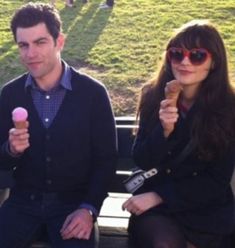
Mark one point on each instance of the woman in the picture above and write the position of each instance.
(189, 204)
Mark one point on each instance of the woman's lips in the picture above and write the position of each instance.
(184, 72)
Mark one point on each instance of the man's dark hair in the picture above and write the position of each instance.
(32, 14)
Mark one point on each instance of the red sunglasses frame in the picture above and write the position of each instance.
(188, 53)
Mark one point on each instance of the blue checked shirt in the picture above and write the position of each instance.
(48, 103)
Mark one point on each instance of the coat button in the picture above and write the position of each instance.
(48, 159)
(49, 182)
(168, 171)
(194, 173)
(32, 197)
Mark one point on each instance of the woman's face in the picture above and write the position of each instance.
(188, 72)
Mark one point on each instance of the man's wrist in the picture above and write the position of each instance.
(9, 152)
(91, 210)
(91, 213)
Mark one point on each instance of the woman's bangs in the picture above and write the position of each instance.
(187, 40)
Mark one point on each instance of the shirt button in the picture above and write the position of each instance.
(194, 173)
(48, 97)
(168, 171)
(49, 182)
(46, 119)
(169, 152)
(48, 137)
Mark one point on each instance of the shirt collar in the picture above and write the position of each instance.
(64, 81)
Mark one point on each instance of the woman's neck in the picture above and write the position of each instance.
(186, 102)
(188, 96)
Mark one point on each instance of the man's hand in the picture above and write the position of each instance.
(138, 204)
(18, 140)
(77, 225)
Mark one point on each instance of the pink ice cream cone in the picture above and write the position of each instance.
(19, 117)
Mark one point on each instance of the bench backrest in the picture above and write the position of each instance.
(125, 127)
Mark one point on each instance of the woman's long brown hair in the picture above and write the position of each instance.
(213, 127)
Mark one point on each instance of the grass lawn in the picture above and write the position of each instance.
(121, 46)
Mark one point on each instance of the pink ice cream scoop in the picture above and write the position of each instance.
(19, 117)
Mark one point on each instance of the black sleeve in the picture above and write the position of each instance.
(104, 149)
(150, 149)
(7, 162)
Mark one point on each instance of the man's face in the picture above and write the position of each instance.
(39, 53)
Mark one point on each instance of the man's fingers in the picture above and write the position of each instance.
(82, 234)
(79, 224)
(66, 223)
(69, 233)
(77, 231)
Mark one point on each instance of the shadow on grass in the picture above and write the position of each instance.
(83, 26)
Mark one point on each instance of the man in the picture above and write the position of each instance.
(64, 160)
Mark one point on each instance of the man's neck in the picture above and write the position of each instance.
(51, 80)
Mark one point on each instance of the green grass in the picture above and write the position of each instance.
(121, 46)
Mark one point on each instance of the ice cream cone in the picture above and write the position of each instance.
(172, 91)
(20, 124)
(19, 117)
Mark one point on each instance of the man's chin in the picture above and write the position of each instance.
(35, 74)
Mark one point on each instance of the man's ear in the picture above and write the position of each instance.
(60, 41)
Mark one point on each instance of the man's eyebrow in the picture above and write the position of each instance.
(40, 39)
(35, 41)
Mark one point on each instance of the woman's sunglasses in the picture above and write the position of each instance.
(197, 56)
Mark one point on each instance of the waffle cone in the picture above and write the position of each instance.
(20, 124)
(172, 91)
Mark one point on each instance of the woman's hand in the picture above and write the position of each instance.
(168, 116)
(138, 204)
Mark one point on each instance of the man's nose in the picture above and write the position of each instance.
(31, 52)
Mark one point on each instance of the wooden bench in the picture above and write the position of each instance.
(112, 220)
